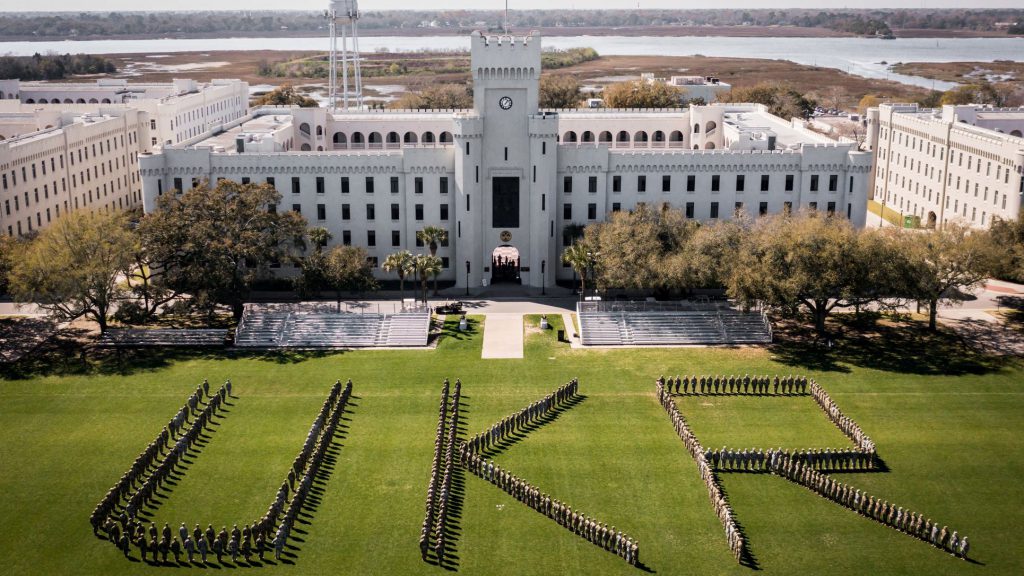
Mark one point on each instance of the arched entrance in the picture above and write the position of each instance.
(505, 265)
(931, 220)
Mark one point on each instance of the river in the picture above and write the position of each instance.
(861, 56)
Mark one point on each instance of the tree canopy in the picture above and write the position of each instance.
(214, 242)
(781, 99)
(284, 95)
(559, 91)
(642, 94)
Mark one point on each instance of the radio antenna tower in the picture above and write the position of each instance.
(343, 16)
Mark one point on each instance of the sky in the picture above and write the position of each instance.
(109, 5)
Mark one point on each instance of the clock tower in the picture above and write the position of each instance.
(508, 163)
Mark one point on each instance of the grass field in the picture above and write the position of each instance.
(947, 424)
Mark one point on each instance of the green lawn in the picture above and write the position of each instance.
(948, 427)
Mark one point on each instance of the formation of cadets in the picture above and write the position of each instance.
(759, 385)
(577, 522)
(735, 538)
(846, 425)
(271, 532)
(912, 523)
(532, 413)
(435, 520)
(758, 460)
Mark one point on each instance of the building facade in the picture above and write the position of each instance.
(53, 162)
(506, 178)
(178, 111)
(962, 163)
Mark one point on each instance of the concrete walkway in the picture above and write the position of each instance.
(503, 336)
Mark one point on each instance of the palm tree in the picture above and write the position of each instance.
(426, 266)
(432, 236)
(319, 236)
(577, 256)
(402, 263)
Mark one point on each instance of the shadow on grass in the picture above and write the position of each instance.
(906, 348)
(747, 557)
(457, 496)
(450, 330)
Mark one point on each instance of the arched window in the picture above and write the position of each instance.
(340, 140)
(106, 100)
(93, 101)
(44, 101)
(675, 138)
(30, 101)
(319, 148)
(696, 128)
(428, 137)
(640, 136)
(622, 137)
(304, 128)
(357, 140)
(68, 101)
(605, 136)
(446, 138)
(393, 138)
(319, 130)
(709, 146)
(659, 136)
(305, 148)
(80, 101)
(711, 125)
(1015, 133)
(374, 140)
(570, 136)
(588, 136)
(410, 138)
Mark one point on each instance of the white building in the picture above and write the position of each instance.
(53, 162)
(955, 163)
(178, 111)
(505, 178)
(707, 88)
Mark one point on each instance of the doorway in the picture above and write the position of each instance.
(505, 265)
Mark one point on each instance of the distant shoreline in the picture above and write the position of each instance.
(664, 31)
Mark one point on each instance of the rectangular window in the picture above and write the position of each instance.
(346, 237)
(444, 211)
(297, 208)
(737, 209)
(787, 208)
(567, 212)
(616, 207)
(371, 212)
(691, 183)
(396, 238)
(271, 182)
(833, 182)
(592, 211)
(419, 212)
(789, 182)
(814, 182)
(544, 147)
(344, 185)
(831, 208)
(812, 205)
(467, 148)
(445, 262)
(666, 183)
(369, 184)
(762, 209)
(296, 186)
(371, 238)
(714, 210)
(505, 202)
(346, 212)
(689, 209)
(394, 212)
(177, 184)
(741, 182)
(444, 184)
(592, 184)
(246, 180)
(716, 183)
(641, 183)
(765, 180)
(567, 184)
(418, 185)
(321, 212)
(543, 202)
(394, 184)
(616, 183)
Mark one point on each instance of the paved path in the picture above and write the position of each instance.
(503, 336)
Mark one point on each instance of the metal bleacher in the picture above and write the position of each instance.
(318, 328)
(670, 324)
(162, 337)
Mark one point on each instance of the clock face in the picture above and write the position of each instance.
(505, 102)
